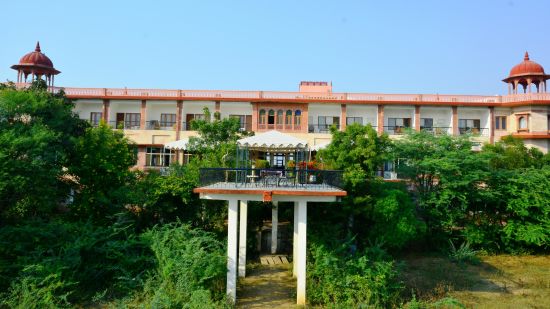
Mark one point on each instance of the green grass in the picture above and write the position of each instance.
(500, 281)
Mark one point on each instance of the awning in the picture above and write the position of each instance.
(272, 141)
(177, 145)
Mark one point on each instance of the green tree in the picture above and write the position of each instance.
(511, 153)
(386, 208)
(100, 166)
(358, 151)
(448, 177)
(37, 134)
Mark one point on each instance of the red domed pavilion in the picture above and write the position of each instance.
(36, 64)
(526, 73)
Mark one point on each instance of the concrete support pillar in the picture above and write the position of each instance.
(529, 81)
(233, 211)
(380, 122)
(454, 127)
(143, 114)
(217, 108)
(179, 115)
(106, 106)
(243, 213)
(417, 118)
(492, 124)
(304, 125)
(343, 117)
(295, 241)
(274, 227)
(302, 253)
(255, 117)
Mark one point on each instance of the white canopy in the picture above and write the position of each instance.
(177, 145)
(319, 146)
(272, 140)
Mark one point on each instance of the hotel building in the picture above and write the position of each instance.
(153, 117)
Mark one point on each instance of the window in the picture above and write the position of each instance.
(242, 121)
(158, 156)
(500, 122)
(352, 120)
(395, 125)
(297, 117)
(132, 120)
(326, 121)
(469, 126)
(167, 120)
(280, 116)
(426, 123)
(262, 116)
(271, 117)
(522, 123)
(95, 118)
(288, 118)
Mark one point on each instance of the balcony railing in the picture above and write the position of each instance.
(474, 131)
(321, 128)
(158, 125)
(125, 125)
(233, 95)
(396, 130)
(437, 130)
(248, 178)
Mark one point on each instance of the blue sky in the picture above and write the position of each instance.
(447, 47)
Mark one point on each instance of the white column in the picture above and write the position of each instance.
(295, 240)
(302, 253)
(242, 238)
(232, 250)
(274, 227)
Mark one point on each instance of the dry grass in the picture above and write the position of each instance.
(500, 281)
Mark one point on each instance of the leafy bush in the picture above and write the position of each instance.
(462, 254)
(340, 278)
(53, 264)
(190, 272)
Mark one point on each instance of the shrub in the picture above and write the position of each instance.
(462, 254)
(339, 278)
(190, 272)
(52, 264)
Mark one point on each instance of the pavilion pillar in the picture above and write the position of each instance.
(302, 253)
(454, 127)
(417, 118)
(143, 114)
(243, 214)
(295, 241)
(274, 227)
(380, 122)
(233, 210)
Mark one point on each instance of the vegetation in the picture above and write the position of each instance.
(79, 227)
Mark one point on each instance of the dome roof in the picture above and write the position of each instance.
(527, 67)
(37, 61)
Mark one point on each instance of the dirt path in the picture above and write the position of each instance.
(267, 286)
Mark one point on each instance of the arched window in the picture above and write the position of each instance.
(262, 116)
(280, 116)
(522, 123)
(288, 118)
(271, 117)
(297, 117)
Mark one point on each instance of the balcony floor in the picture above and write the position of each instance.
(260, 187)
